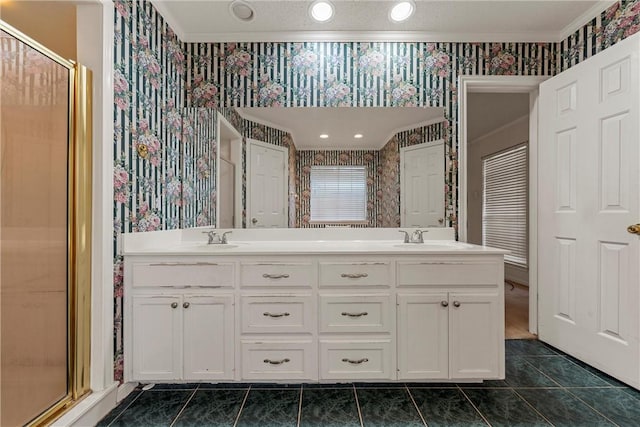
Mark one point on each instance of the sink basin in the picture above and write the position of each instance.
(208, 248)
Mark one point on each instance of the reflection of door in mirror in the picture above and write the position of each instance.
(226, 196)
(422, 185)
(267, 198)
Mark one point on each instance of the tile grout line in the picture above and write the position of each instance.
(474, 405)
(531, 406)
(415, 405)
(127, 407)
(235, 423)
(184, 407)
(300, 405)
(589, 406)
(355, 393)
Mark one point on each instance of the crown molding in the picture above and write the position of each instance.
(587, 16)
(367, 36)
(169, 19)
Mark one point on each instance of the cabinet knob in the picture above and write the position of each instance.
(186, 305)
(174, 305)
(456, 303)
(444, 303)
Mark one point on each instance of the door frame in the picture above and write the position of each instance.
(403, 151)
(504, 84)
(236, 158)
(285, 190)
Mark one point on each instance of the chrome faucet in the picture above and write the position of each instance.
(215, 238)
(415, 237)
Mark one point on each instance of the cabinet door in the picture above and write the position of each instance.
(423, 332)
(476, 336)
(157, 329)
(208, 337)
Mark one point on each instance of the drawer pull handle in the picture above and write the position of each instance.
(275, 276)
(267, 314)
(354, 275)
(364, 313)
(174, 305)
(456, 303)
(276, 362)
(186, 305)
(444, 303)
(355, 362)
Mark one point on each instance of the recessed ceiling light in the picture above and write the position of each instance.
(357, 136)
(321, 10)
(241, 10)
(402, 11)
(324, 136)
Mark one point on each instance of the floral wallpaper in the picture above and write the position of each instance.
(199, 151)
(163, 168)
(308, 158)
(156, 75)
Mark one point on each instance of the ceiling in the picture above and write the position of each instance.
(487, 112)
(376, 124)
(367, 20)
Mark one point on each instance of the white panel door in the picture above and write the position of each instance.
(588, 189)
(423, 336)
(267, 198)
(422, 185)
(226, 194)
(157, 338)
(208, 337)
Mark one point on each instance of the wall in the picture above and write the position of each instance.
(512, 134)
(34, 18)
(308, 158)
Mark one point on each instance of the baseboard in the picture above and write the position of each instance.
(124, 390)
(91, 409)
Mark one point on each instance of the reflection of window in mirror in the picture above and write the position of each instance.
(338, 194)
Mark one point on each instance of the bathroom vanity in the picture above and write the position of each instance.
(312, 306)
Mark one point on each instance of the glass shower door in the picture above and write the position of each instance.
(35, 141)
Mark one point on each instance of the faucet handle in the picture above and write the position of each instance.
(418, 235)
(406, 235)
(211, 234)
(223, 239)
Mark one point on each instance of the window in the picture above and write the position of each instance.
(338, 194)
(504, 207)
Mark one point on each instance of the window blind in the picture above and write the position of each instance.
(338, 193)
(504, 208)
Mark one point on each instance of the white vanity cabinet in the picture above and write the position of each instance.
(182, 321)
(450, 326)
(314, 316)
(278, 319)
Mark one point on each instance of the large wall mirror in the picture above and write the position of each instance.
(335, 166)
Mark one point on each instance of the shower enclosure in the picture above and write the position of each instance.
(45, 214)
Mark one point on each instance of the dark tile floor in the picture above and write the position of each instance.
(542, 387)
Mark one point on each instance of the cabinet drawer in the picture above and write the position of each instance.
(205, 274)
(279, 360)
(355, 273)
(355, 313)
(286, 314)
(276, 274)
(441, 273)
(362, 360)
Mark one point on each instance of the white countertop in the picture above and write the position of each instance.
(317, 247)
